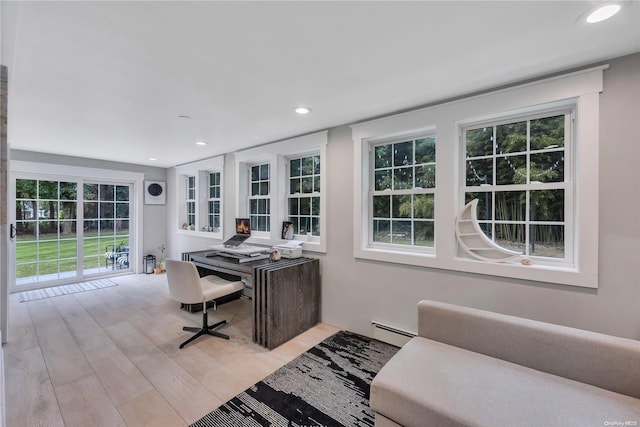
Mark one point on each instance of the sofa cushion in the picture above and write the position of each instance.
(604, 361)
(429, 383)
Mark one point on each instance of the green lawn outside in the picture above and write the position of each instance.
(41, 257)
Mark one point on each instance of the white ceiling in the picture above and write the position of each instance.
(108, 80)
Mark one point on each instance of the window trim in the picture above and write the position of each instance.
(584, 86)
(566, 107)
(201, 170)
(288, 195)
(277, 154)
(372, 144)
(68, 172)
(268, 197)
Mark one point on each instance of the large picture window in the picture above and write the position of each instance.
(404, 181)
(518, 170)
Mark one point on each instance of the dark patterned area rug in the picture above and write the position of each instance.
(326, 386)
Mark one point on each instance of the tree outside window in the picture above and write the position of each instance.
(516, 170)
(259, 197)
(404, 182)
(303, 204)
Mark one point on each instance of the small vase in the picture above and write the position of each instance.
(157, 270)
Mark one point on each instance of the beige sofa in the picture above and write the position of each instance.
(470, 367)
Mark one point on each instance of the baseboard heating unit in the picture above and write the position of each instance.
(391, 334)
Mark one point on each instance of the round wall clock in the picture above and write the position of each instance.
(154, 193)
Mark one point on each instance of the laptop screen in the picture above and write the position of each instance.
(243, 226)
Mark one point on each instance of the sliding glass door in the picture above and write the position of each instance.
(67, 230)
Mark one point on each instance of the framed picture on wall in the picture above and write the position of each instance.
(287, 230)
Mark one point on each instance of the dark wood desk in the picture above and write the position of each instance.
(285, 293)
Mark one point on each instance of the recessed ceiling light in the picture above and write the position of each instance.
(302, 110)
(153, 159)
(603, 12)
(201, 143)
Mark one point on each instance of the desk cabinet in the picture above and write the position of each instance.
(286, 300)
(285, 294)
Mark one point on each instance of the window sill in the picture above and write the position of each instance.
(535, 272)
(196, 233)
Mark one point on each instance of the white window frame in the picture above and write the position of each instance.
(257, 197)
(374, 142)
(582, 87)
(301, 195)
(210, 214)
(566, 108)
(200, 170)
(71, 173)
(277, 155)
(191, 200)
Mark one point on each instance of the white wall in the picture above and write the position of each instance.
(355, 292)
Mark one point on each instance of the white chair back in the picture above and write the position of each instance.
(184, 282)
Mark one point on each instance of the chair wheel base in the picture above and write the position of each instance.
(205, 330)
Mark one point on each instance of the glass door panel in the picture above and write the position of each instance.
(46, 240)
(106, 228)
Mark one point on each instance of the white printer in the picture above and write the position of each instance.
(292, 249)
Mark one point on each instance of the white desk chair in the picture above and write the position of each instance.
(187, 287)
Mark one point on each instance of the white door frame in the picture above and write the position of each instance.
(22, 169)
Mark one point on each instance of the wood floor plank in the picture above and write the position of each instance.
(64, 359)
(30, 400)
(84, 402)
(150, 410)
(117, 374)
(186, 394)
(110, 357)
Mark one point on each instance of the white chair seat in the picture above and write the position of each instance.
(215, 287)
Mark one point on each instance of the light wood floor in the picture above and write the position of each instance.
(110, 358)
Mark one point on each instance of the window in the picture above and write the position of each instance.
(303, 199)
(200, 187)
(284, 182)
(213, 211)
(404, 181)
(528, 154)
(259, 198)
(517, 169)
(191, 202)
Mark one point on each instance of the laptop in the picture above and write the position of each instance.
(243, 232)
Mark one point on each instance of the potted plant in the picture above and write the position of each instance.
(161, 267)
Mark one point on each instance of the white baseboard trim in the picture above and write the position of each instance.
(391, 334)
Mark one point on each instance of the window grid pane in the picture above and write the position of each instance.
(303, 206)
(213, 205)
(402, 200)
(528, 156)
(259, 197)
